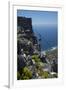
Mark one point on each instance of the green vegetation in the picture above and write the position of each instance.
(18, 75)
(39, 65)
(36, 58)
(32, 63)
(44, 74)
(25, 74)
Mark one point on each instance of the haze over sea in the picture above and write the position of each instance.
(48, 35)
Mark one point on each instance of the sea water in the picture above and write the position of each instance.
(48, 36)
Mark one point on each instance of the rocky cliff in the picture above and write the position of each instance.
(25, 35)
(31, 63)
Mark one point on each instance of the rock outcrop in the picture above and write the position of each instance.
(31, 63)
(25, 35)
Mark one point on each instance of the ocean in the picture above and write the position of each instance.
(48, 36)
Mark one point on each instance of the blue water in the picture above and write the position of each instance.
(48, 35)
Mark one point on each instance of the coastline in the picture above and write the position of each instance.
(51, 49)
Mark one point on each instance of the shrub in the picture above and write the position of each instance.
(44, 74)
(36, 58)
(18, 75)
(26, 73)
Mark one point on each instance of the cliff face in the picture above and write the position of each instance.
(26, 42)
(25, 35)
(25, 23)
(31, 63)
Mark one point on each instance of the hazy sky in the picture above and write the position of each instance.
(40, 17)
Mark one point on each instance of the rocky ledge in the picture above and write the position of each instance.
(31, 62)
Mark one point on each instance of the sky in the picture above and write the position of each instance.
(46, 18)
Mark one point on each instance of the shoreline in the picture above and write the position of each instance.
(51, 49)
